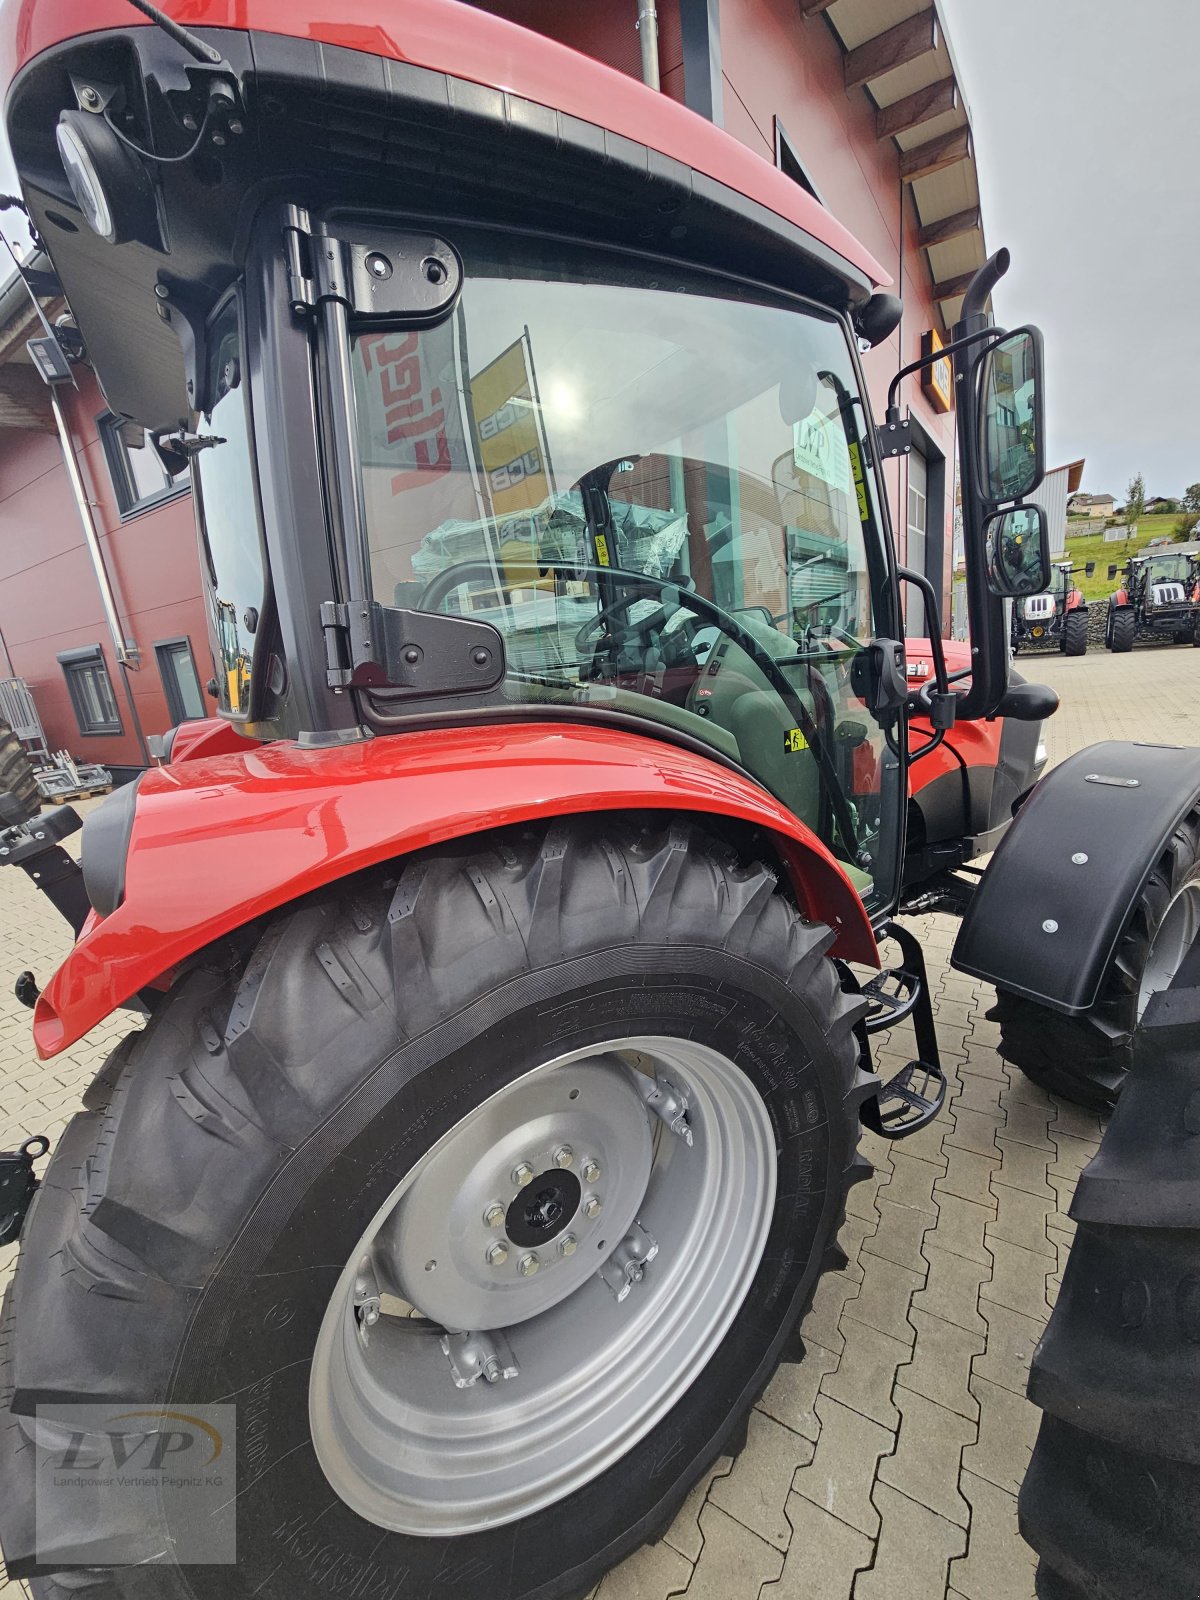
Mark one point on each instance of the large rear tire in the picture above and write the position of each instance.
(1122, 631)
(1111, 1498)
(16, 774)
(327, 1128)
(1087, 1058)
(1075, 633)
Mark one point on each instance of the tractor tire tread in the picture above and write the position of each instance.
(16, 773)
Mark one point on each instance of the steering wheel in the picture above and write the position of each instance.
(657, 619)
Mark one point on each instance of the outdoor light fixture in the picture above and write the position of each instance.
(110, 185)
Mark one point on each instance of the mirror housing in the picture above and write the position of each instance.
(1011, 422)
(879, 318)
(1018, 552)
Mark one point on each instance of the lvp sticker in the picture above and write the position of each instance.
(794, 741)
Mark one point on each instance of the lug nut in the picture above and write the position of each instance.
(522, 1174)
(564, 1156)
(592, 1207)
(591, 1170)
(568, 1245)
(497, 1255)
(528, 1265)
(494, 1215)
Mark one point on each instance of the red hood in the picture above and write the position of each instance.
(918, 655)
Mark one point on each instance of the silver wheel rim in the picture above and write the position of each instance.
(1174, 938)
(527, 1384)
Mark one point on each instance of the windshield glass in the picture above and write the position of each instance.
(662, 498)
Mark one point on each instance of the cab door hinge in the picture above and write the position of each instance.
(335, 625)
(297, 245)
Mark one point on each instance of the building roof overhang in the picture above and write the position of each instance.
(899, 54)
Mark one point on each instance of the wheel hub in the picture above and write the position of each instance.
(545, 1209)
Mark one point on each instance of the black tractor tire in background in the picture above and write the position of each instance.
(1087, 1058)
(181, 1247)
(16, 774)
(1075, 633)
(1122, 631)
(1111, 1497)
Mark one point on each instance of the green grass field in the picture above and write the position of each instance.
(1087, 544)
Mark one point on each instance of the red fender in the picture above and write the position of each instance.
(217, 842)
(203, 737)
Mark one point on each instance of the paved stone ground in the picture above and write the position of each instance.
(886, 1465)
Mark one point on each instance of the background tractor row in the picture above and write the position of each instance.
(1159, 598)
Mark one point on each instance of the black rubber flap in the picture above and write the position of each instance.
(1049, 910)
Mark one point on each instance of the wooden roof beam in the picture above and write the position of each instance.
(947, 228)
(908, 40)
(953, 287)
(922, 106)
(945, 151)
(24, 400)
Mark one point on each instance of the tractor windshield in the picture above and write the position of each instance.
(662, 497)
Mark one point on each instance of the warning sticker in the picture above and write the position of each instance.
(602, 559)
(794, 741)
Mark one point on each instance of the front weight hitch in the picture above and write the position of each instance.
(17, 1184)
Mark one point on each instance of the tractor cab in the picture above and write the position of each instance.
(1159, 598)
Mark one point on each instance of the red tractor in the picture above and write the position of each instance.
(508, 953)
(1159, 598)
(1058, 618)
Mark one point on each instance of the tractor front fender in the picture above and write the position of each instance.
(214, 843)
(1050, 909)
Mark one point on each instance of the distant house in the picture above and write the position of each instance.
(1092, 505)
(1161, 503)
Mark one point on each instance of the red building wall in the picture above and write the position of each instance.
(49, 599)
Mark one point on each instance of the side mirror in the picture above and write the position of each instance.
(1018, 552)
(1011, 428)
(1113, 569)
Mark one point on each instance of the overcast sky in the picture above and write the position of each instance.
(1087, 137)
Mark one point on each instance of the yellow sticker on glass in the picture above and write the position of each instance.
(602, 551)
(794, 741)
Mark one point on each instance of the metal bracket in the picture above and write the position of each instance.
(670, 1104)
(17, 1185)
(35, 848)
(410, 277)
(627, 1263)
(479, 1355)
(372, 646)
(894, 439)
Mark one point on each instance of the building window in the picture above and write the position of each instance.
(788, 161)
(91, 690)
(138, 475)
(177, 669)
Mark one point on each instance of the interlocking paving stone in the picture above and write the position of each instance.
(822, 1558)
(952, 1290)
(1020, 1088)
(929, 1447)
(899, 1235)
(735, 1562)
(791, 1394)
(960, 1228)
(1011, 1341)
(1026, 1124)
(915, 1550)
(911, 1184)
(1073, 1155)
(998, 1565)
(1023, 1167)
(650, 1573)
(756, 1490)
(1021, 1219)
(979, 1094)
(843, 1468)
(941, 1365)
(1018, 1279)
(1075, 1120)
(884, 1298)
(684, 1533)
(1008, 1425)
(866, 1374)
(973, 1130)
(969, 1176)
(822, 1324)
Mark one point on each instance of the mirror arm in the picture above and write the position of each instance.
(995, 334)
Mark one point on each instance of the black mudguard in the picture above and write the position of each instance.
(1046, 918)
